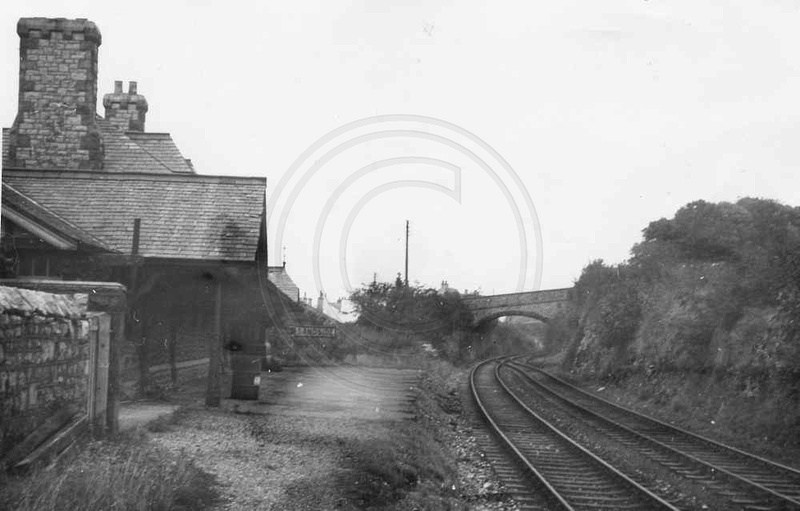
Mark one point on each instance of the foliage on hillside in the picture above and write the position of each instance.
(715, 287)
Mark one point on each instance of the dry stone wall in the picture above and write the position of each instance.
(44, 357)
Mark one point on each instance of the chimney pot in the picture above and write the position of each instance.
(118, 108)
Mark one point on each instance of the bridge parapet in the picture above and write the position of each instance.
(541, 305)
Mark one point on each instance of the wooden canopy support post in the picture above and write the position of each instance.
(136, 325)
(173, 349)
(214, 388)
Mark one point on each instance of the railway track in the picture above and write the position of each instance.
(566, 474)
(745, 480)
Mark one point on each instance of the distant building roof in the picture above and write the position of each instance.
(342, 311)
(282, 280)
(183, 216)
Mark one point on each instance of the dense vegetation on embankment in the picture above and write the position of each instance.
(398, 318)
(701, 323)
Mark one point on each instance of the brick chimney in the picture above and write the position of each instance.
(55, 125)
(125, 110)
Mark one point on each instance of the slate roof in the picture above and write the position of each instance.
(124, 155)
(132, 151)
(161, 147)
(5, 146)
(26, 206)
(282, 280)
(183, 216)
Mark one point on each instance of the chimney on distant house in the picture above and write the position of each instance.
(321, 302)
(125, 110)
(55, 125)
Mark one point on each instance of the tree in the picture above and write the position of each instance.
(409, 308)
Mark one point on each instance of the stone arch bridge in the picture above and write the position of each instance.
(541, 305)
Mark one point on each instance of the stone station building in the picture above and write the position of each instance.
(91, 198)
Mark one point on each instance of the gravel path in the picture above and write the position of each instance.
(293, 449)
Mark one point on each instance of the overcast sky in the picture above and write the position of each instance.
(548, 134)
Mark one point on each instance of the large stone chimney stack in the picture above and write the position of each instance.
(55, 125)
(126, 111)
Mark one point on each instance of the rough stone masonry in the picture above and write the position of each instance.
(44, 354)
(55, 125)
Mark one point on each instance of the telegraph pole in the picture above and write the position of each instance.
(406, 253)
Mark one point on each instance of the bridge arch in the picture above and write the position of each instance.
(540, 305)
(496, 315)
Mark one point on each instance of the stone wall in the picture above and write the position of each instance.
(541, 305)
(183, 307)
(55, 125)
(106, 297)
(44, 354)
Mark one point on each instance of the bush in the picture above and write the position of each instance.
(415, 309)
(687, 297)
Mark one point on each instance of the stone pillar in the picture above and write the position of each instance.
(55, 125)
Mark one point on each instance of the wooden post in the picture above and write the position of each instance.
(91, 382)
(138, 316)
(173, 348)
(117, 336)
(142, 348)
(97, 384)
(101, 379)
(213, 390)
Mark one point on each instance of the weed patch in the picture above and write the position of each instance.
(129, 474)
(411, 464)
(413, 468)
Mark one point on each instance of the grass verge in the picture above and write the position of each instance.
(126, 474)
(413, 468)
(410, 470)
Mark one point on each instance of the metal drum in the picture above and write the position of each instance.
(246, 363)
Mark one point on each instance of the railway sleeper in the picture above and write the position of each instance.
(579, 487)
(566, 475)
(596, 500)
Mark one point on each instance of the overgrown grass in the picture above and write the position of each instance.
(127, 474)
(410, 464)
(411, 469)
